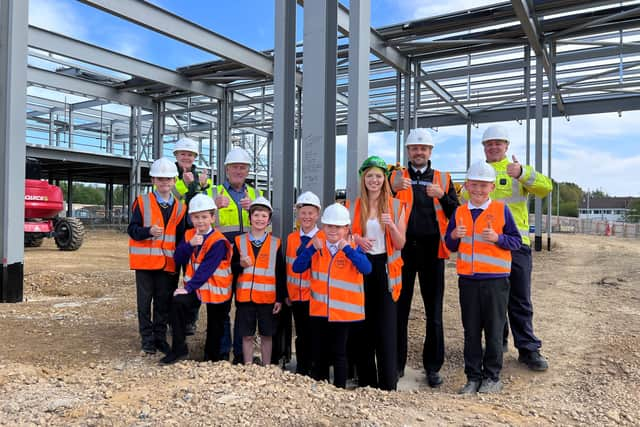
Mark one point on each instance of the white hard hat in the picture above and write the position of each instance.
(261, 201)
(237, 155)
(336, 214)
(186, 144)
(481, 171)
(201, 202)
(163, 168)
(496, 132)
(308, 198)
(419, 136)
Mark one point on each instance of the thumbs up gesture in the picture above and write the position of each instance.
(245, 202)
(514, 170)
(187, 176)
(202, 178)
(196, 240)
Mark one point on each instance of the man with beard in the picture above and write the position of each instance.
(431, 199)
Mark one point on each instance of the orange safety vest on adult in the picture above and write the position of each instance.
(337, 287)
(257, 283)
(407, 197)
(155, 253)
(298, 284)
(217, 289)
(394, 256)
(475, 254)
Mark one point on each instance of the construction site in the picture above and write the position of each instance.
(70, 351)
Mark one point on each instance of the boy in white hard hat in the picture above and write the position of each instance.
(483, 233)
(260, 281)
(206, 253)
(336, 292)
(157, 222)
(307, 214)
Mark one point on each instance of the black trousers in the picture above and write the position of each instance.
(483, 306)
(300, 310)
(153, 291)
(182, 313)
(520, 308)
(421, 258)
(329, 346)
(378, 342)
(281, 350)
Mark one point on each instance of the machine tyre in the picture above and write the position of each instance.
(69, 234)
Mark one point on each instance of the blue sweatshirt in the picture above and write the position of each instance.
(357, 257)
(208, 265)
(509, 239)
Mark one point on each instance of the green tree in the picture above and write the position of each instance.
(570, 197)
(598, 194)
(634, 212)
(85, 194)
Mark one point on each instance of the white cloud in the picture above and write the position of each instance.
(58, 17)
(419, 9)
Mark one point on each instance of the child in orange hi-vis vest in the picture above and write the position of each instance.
(337, 292)
(483, 233)
(259, 274)
(298, 284)
(157, 221)
(206, 254)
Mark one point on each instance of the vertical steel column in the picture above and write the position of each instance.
(51, 127)
(70, 128)
(358, 114)
(222, 144)
(13, 87)
(552, 78)
(298, 137)
(538, 158)
(406, 116)
(156, 138)
(108, 202)
(527, 91)
(398, 115)
(468, 145)
(319, 101)
(69, 193)
(416, 94)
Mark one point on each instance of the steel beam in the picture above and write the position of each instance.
(442, 93)
(283, 144)
(51, 79)
(13, 87)
(319, 101)
(538, 151)
(91, 54)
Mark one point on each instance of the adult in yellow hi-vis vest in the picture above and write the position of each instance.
(233, 198)
(190, 181)
(514, 183)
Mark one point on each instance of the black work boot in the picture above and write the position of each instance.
(533, 359)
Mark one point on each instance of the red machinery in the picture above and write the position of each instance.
(42, 204)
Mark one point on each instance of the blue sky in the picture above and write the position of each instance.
(595, 151)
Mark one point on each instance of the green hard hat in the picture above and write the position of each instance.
(374, 161)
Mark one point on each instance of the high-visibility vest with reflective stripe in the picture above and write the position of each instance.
(181, 188)
(155, 253)
(257, 283)
(217, 288)
(337, 290)
(515, 193)
(228, 219)
(298, 284)
(407, 197)
(476, 255)
(394, 258)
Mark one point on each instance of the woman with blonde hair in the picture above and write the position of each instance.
(379, 227)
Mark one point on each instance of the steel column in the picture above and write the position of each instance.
(157, 145)
(319, 101)
(13, 87)
(358, 114)
(538, 150)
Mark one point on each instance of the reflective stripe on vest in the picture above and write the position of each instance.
(257, 283)
(217, 288)
(156, 253)
(475, 254)
(298, 284)
(228, 218)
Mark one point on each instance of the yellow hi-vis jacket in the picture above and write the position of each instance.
(228, 219)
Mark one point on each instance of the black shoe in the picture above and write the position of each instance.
(172, 358)
(400, 372)
(190, 329)
(237, 359)
(471, 387)
(505, 347)
(490, 386)
(149, 348)
(163, 346)
(434, 379)
(224, 356)
(534, 360)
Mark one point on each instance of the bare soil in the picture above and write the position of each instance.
(69, 354)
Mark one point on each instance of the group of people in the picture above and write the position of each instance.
(346, 273)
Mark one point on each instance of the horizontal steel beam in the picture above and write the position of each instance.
(61, 154)
(78, 86)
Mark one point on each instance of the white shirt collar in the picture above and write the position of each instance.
(310, 234)
(421, 170)
(484, 206)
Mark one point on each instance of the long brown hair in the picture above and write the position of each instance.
(383, 200)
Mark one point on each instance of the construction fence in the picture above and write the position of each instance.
(601, 227)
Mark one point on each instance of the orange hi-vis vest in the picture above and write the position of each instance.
(217, 289)
(407, 197)
(156, 253)
(298, 284)
(476, 255)
(257, 283)
(394, 256)
(337, 287)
